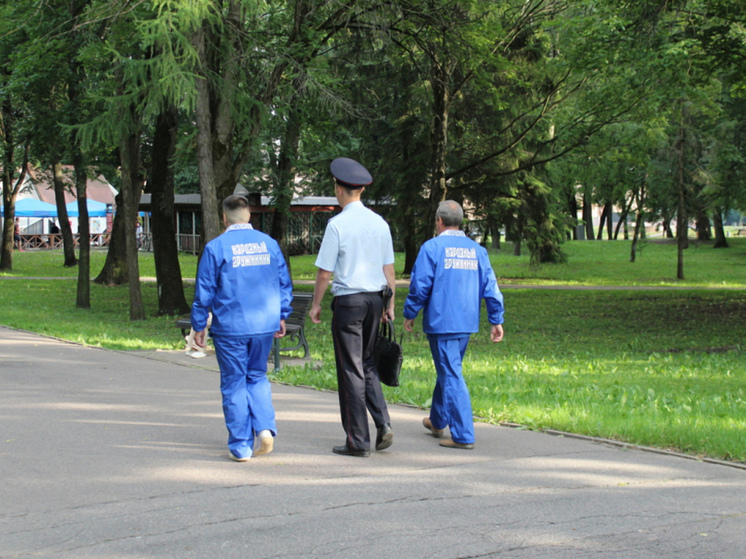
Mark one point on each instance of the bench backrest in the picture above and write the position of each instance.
(301, 304)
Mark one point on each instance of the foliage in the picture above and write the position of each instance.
(514, 107)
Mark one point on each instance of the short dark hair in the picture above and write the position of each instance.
(235, 202)
(236, 209)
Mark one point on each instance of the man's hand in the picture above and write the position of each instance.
(409, 324)
(496, 335)
(315, 313)
(200, 338)
(388, 271)
(323, 277)
(281, 332)
(388, 313)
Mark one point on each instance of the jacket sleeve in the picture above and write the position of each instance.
(491, 294)
(204, 290)
(286, 286)
(420, 284)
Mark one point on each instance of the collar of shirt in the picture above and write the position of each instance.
(453, 233)
(237, 226)
(353, 205)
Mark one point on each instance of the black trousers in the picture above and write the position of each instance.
(355, 322)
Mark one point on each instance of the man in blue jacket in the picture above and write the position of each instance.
(243, 280)
(451, 276)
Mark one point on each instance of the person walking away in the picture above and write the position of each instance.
(17, 234)
(243, 280)
(358, 250)
(450, 277)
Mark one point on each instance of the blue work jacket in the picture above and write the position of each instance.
(243, 279)
(451, 275)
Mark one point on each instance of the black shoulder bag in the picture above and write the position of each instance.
(387, 354)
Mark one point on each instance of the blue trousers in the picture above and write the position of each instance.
(451, 404)
(247, 394)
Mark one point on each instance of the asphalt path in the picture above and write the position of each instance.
(110, 454)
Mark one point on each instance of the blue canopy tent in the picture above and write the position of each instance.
(30, 207)
(95, 209)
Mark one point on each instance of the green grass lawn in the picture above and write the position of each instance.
(662, 368)
(604, 263)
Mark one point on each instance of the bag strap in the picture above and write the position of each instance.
(387, 329)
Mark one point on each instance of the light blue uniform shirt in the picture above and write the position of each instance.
(356, 246)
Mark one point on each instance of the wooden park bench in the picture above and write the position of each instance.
(294, 327)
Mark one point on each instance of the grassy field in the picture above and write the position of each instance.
(660, 367)
(600, 263)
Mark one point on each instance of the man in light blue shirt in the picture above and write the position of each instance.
(358, 250)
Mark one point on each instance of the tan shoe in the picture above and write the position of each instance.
(450, 443)
(238, 458)
(266, 443)
(437, 433)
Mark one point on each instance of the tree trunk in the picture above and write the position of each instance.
(171, 298)
(129, 148)
(720, 240)
(210, 222)
(572, 206)
(610, 221)
(667, 229)
(704, 232)
(681, 216)
(219, 162)
(409, 202)
(635, 236)
(494, 229)
(622, 221)
(6, 258)
(517, 237)
(605, 215)
(114, 271)
(68, 242)
(286, 165)
(639, 222)
(441, 77)
(588, 216)
(83, 299)
(10, 190)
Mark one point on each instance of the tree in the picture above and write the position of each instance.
(171, 299)
(14, 141)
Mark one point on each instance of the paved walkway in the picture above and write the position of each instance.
(118, 455)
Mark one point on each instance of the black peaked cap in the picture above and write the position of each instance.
(350, 173)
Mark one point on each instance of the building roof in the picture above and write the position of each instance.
(40, 181)
(195, 200)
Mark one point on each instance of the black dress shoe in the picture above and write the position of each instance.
(385, 437)
(345, 450)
